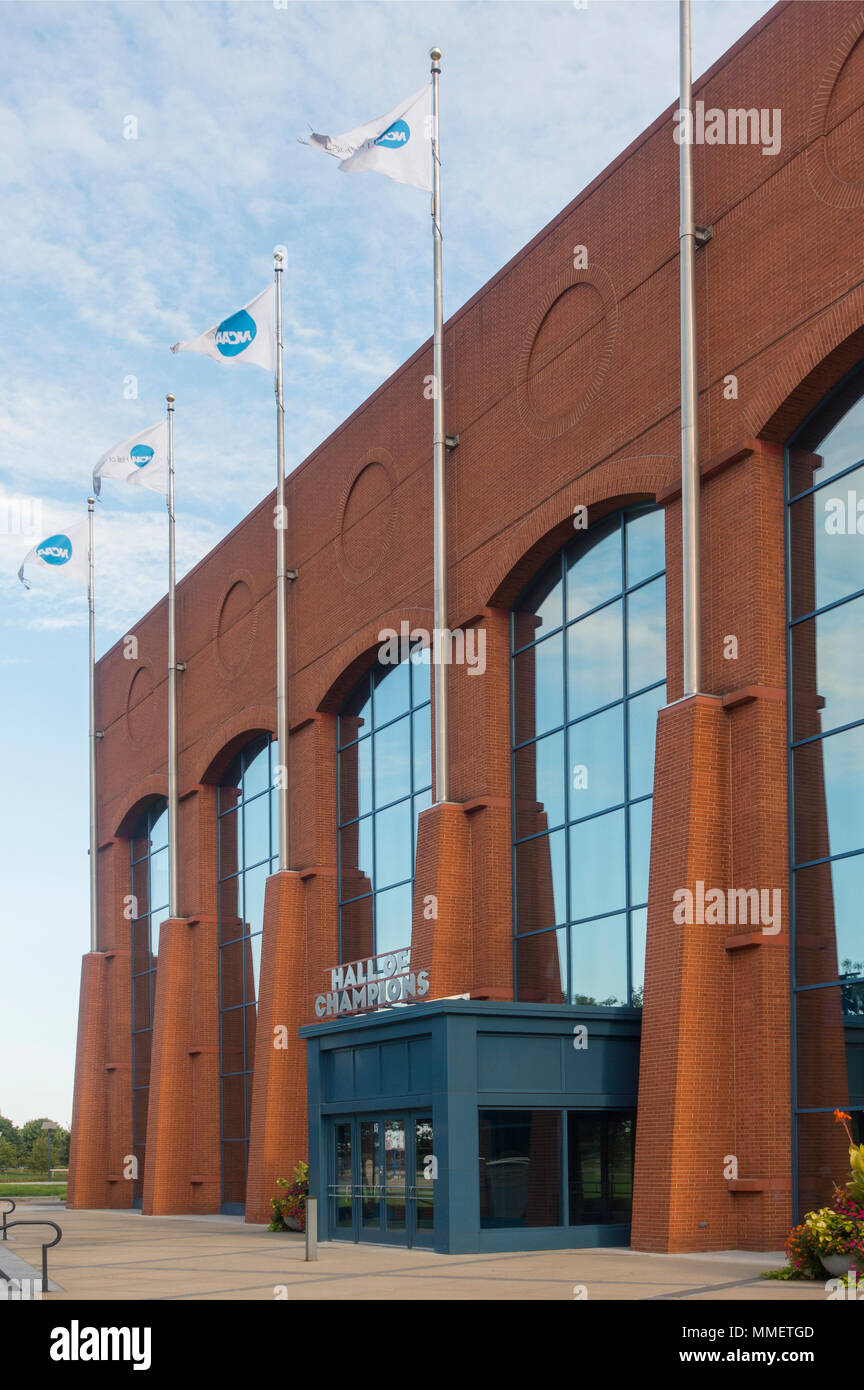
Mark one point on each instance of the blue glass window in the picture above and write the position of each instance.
(589, 672)
(248, 854)
(825, 571)
(385, 780)
(148, 868)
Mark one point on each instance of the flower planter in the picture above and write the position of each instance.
(836, 1264)
(289, 1209)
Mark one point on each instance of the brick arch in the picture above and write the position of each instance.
(820, 359)
(348, 663)
(226, 741)
(613, 485)
(147, 791)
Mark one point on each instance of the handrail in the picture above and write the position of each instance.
(6, 1213)
(47, 1245)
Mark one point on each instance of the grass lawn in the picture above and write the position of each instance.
(33, 1189)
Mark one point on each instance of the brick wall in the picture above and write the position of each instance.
(562, 385)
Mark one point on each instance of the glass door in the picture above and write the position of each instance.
(370, 1180)
(395, 1184)
(421, 1195)
(370, 1198)
(340, 1193)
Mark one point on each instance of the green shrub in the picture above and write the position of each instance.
(292, 1204)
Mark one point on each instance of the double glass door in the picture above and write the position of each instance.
(382, 1179)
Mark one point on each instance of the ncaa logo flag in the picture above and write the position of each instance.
(64, 553)
(249, 335)
(141, 459)
(398, 144)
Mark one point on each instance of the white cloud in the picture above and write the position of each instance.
(114, 248)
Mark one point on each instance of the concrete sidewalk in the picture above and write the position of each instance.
(122, 1255)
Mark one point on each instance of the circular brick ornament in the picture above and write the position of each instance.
(236, 625)
(139, 709)
(566, 352)
(367, 516)
(834, 161)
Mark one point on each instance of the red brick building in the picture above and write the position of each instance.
(562, 386)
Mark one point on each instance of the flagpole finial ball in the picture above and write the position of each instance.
(170, 399)
(278, 257)
(435, 55)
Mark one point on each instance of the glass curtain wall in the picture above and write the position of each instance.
(248, 854)
(825, 546)
(385, 781)
(148, 869)
(588, 678)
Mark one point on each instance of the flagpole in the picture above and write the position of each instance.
(94, 874)
(281, 588)
(690, 561)
(173, 808)
(442, 759)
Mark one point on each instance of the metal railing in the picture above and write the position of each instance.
(46, 1245)
(6, 1213)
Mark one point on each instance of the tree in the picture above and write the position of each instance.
(31, 1131)
(60, 1147)
(40, 1154)
(8, 1154)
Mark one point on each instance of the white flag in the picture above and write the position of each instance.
(141, 459)
(64, 552)
(247, 336)
(398, 144)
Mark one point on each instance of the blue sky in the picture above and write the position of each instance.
(114, 248)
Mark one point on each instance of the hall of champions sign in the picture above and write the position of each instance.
(372, 984)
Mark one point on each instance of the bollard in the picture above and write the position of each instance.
(311, 1228)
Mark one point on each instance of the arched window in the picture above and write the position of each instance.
(148, 869)
(248, 854)
(588, 671)
(385, 781)
(825, 494)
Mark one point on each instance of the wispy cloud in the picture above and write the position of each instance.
(116, 247)
(113, 248)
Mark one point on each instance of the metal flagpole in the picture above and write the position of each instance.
(173, 808)
(439, 649)
(689, 388)
(281, 588)
(94, 874)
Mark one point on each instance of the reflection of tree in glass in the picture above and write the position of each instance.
(610, 1003)
(852, 995)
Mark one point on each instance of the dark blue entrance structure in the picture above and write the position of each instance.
(465, 1125)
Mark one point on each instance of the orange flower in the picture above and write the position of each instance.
(840, 1116)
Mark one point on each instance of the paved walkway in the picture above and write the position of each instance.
(122, 1255)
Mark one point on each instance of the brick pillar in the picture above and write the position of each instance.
(300, 942)
(481, 773)
(102, 1106)
(182, 1172)
(278, 1128)
(88, 1153)
(464, 846)
(169, 1116)
(441, 916)
(714, 1062)
(200, 832)
(758, 1043)
(746, 593)
(685, 1076)
(441, 922)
